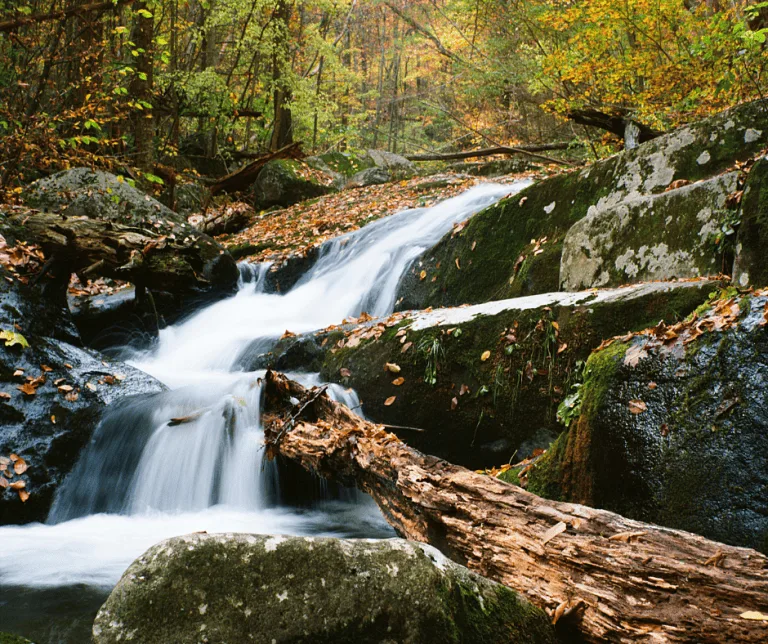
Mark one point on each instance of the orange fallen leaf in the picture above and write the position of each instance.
(23, 495)
(4, 395)
(454, 403)
(389, 401)
(27, 388)
(637, 406)
(18, 485)
(3, 482)
(20, 466)
(398, 381)
(423, 275)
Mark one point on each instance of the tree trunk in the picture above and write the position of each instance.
(141, 87)
(487, 152)
(282, 134)
(613, 123)
(611, 578)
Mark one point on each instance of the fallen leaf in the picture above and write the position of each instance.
(398, 381)
(3, 482)
(458, 266)
(46, 368)
(652, 385)
(389, 401)
(23, 495)
(65, 388)
(485, 355)
(18, 372)
(754, 615)
(454, 403)
(4, 395)
(90, 386)
(12, 338)
(463, 390)
(392, 367)
(18, 485)
(406, 346)
(634, 354)
(27, 388)
(423, 275)
(14, 458)
(20, 466)
(344, 372)
(637, 406)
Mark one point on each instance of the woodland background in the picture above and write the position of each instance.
(134, 84)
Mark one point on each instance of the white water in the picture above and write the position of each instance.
(142, 479)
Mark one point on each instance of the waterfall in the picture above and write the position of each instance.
(192, 458)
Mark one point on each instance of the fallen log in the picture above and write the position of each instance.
(614, 123)
(487, 152)
(174, 259)
(241, 179)
(611, 578)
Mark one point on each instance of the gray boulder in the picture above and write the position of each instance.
(648, 237)
(284, 182)
(252, 588)
(82, 192)
(369, 177)
(398, 166)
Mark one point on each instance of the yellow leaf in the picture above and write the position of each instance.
(392, 367)
(485, 356)
(753, 614)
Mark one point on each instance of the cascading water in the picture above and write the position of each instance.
(191, 458)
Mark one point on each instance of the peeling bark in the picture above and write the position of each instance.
(611, 578)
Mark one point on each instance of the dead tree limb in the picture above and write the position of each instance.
(613, 123)
(241, 179)
(487, 152)
(617, 580)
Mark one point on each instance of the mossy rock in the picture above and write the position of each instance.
(238, 588)
(484, 262)
(284, 182)
(7, 638)
(535, 346)
(695, 458)
(655, 237)
(82, 192)
(751, 265)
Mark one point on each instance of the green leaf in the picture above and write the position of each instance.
(11, 338)
(144, 13)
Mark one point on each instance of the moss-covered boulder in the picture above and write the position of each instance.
(514, 247)
(653, 237)
(286, 590)
(284, 182)
(751, 265)
(673, 429)
(482, 383)
(7, 638)
(82, 192)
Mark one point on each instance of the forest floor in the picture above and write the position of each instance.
(277, 234)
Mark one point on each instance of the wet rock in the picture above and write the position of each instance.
(514, 247)
(284, 182)
(676, 437)
(52, 395)
(654, 237)
(237, 588)
(751, 265)
(483, 383)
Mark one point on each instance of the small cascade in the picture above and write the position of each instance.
(192, 458)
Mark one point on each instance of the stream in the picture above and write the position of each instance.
(143, 479)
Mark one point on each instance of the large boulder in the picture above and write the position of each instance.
(482, 383)
(649, 237)
(52, 395)
(82, 192)
(286, 590)
(673, 427)
(283, 182)
(515, 247)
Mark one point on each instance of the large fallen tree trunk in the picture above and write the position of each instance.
(178, 261)
(611, 578)
(487, 152)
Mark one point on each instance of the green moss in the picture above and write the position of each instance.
(545, 477)
(346, 163)
(7, 638)
(510, 476)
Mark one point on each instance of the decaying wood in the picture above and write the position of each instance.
(95, 248)
(612, 578)
(241, 179)
(487, 152)
(613, 123)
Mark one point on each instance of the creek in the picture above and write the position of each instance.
(144, 478)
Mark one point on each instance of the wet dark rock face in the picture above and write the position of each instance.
(695, 459)
(67, 387)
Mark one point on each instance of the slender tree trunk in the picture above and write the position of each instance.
(282, 133)
(141, 86)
